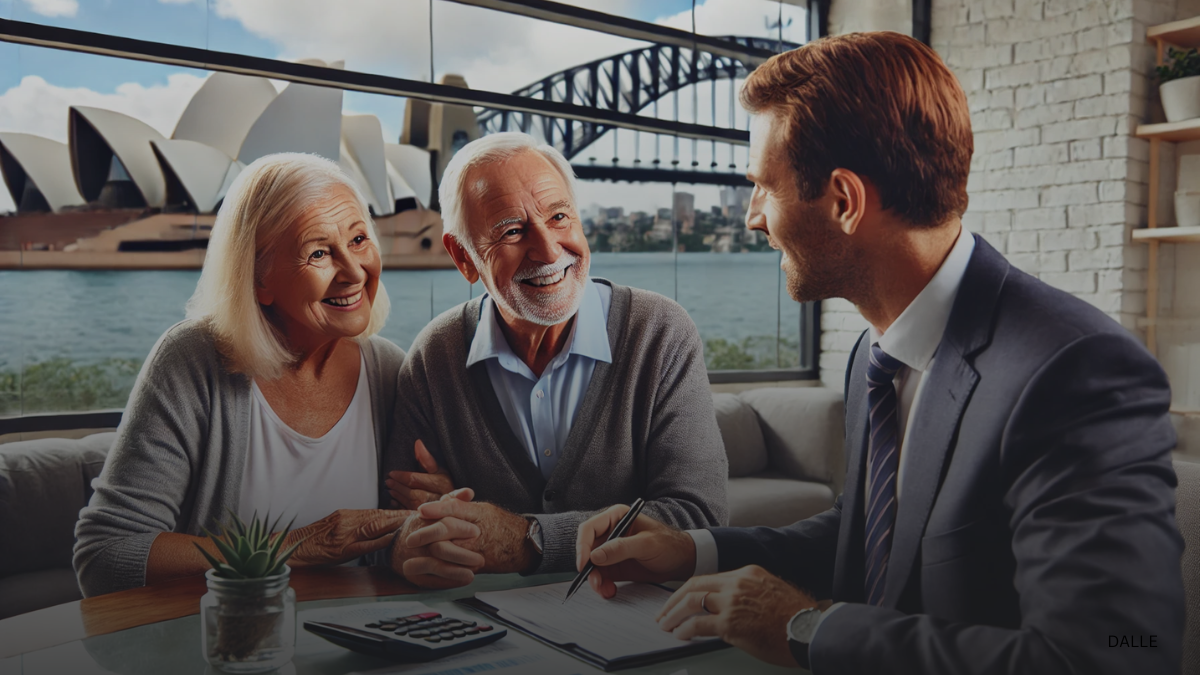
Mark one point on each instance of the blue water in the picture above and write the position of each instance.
(89, 316)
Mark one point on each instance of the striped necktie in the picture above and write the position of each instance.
(883, 458)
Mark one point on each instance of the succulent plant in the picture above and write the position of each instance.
(250, 551)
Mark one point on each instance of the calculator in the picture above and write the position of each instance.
(414, 638)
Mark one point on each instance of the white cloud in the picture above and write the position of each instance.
(54, 8)
(37, 107)
(493, 50)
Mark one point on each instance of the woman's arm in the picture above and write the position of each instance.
(149, 471)
(174, 555)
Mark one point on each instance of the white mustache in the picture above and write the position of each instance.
(564, 261)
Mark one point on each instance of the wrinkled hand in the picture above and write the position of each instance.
(649, 551)
(500, 539)
(411, 489)
(749, 608)
(344, 535)
(442, 562)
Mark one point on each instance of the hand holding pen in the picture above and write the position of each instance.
(649, 552)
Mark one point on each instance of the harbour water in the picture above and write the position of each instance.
(73, 319)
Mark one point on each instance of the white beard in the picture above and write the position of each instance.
(541, 308)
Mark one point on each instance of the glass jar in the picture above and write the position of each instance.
(248, 625)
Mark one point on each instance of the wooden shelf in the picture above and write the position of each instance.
(1187, 130)
(1168, 322)
(1170, 235)
(1184, 33)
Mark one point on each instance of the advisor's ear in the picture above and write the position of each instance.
(848, 199)
(462, 260)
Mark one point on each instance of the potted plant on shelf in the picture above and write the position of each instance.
(1179, 85)
(248, 616)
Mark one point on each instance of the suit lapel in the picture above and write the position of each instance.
(933, 430)
(946, 392)
(849, 572)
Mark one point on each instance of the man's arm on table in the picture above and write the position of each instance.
(1085, 458)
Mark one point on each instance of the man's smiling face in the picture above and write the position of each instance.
(529, 245)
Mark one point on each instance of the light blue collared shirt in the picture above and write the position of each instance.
(541, 410)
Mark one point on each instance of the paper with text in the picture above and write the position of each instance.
(611, 629)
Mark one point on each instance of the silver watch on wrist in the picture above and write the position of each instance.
(534, 535)
(800, 630)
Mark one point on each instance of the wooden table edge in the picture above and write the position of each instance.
(175, 599)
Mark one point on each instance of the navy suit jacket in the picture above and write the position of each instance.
(1036, 517)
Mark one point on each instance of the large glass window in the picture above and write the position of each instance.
(80, 317)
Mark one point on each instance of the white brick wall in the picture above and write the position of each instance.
(1056, 88)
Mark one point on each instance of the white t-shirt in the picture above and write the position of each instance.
(290, 474)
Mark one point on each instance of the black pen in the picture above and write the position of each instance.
(618, 532)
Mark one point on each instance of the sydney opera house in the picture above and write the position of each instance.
(127, 196)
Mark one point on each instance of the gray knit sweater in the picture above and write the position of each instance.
(176, 464)
(646, 426)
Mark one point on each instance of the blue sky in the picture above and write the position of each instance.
(492, 50)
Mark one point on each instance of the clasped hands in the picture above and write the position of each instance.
(449, 538)
(749, 608)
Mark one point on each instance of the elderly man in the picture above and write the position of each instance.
(550, 397)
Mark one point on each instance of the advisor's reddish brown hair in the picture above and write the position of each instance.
(882, 105)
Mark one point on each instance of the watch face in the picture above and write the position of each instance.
(804, 624)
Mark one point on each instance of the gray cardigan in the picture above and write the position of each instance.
(176, 464)
(646, 426)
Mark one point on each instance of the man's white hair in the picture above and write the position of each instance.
(265, 199)
(452, 193)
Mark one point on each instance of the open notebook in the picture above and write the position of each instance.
(609, 634)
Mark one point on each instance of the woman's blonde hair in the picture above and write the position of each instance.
(266, 198)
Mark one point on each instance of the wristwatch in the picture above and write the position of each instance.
(800, 632)
(534, 535)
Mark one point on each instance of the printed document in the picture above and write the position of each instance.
(611, 629)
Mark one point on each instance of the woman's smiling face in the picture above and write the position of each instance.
(321, 276)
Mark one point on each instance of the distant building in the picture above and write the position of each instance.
(735, 201)
(684, 208)
(114, 161)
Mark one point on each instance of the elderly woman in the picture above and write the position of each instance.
(274, 395)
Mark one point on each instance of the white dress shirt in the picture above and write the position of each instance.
(540, 410)
(912, 339)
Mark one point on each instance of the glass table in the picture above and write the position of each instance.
(172, 646)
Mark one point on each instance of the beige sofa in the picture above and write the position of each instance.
(785, 453)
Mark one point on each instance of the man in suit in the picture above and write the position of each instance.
(1009, 499)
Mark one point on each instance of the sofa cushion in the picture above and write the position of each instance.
(43, 485)
(742, 436)
(775, 500)
(804, 430)
(32, 591)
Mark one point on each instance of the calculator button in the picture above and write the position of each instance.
(459, 633)
(446, 635)
(467, 623)
(453, 625)
(373, 624)
(427, 615)
(401, 631)
(419, 634)
(388, 626)
(485, 628)
(433, 638)
(471, 631)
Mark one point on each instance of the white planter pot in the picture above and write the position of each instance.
(1187, 209)
(1181, 98)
